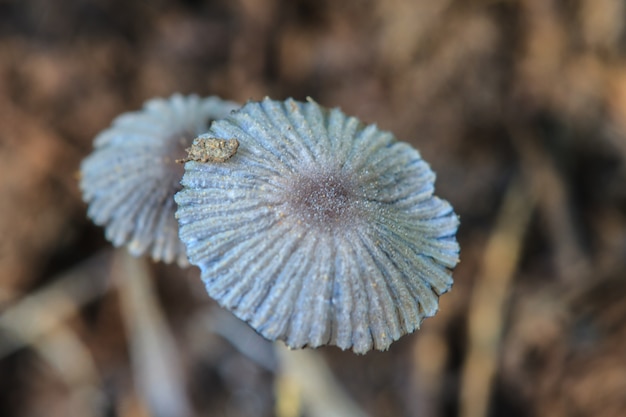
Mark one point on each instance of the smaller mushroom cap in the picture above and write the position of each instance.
(130, 178)
(319, 230)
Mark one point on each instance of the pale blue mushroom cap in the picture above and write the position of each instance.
(130, 178)
(319, 230)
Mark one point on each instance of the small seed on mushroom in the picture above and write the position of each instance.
(210, 149)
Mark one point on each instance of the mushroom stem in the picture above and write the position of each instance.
(154, 354)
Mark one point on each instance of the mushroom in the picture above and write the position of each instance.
(130, 178)
(319, 230)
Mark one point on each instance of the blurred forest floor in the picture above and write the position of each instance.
(518, 105)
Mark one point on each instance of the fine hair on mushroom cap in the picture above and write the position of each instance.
(130, 178)
(320, 229)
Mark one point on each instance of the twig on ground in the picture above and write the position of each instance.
(42, 312)
(321, 394)
(39, 321)
(487, 304)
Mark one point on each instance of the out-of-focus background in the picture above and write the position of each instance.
(518, 105)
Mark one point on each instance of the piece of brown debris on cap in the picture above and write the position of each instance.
(209, 149)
